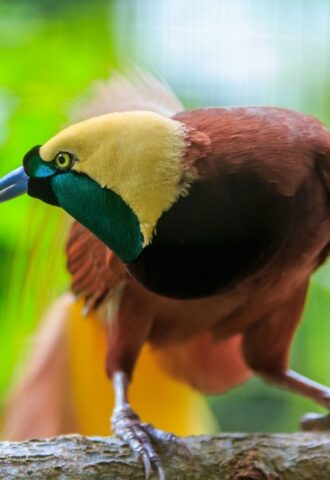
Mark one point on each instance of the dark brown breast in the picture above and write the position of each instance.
(258, 185)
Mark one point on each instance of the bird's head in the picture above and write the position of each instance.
(116, 174)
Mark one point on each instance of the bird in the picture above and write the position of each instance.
(197, 234)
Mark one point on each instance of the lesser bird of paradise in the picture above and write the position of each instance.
(196, 233)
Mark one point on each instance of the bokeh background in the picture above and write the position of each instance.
(219, 52)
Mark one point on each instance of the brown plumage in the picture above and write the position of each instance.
(250, 321)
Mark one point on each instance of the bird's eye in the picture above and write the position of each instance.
(64, 160)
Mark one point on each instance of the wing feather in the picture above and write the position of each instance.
(95, 269)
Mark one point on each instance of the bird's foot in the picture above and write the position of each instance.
(168, 438)
(316, 422)
(128, 426)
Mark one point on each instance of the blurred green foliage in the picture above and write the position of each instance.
(50, 53)
(48, 59)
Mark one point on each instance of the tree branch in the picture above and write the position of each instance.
(302, 456)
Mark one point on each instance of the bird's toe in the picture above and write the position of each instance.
(168, 438)
(127, 425)
(315, 421)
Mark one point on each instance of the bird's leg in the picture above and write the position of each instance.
(296, 383)
(127, 425)
(265, 347)
(126, 337)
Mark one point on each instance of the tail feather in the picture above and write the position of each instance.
(38, 403)
(64, 387)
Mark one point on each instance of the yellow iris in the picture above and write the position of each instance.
(64, 160)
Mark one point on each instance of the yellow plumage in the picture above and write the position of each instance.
(146, 145)
(63, 387)
(160, 400)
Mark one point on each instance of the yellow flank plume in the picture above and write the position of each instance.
(138, 155)
(160, 400)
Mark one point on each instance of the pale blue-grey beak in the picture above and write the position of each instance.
(13, 184)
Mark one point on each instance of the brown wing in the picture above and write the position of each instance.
(95, 269)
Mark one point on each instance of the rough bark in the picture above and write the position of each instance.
(301, 456)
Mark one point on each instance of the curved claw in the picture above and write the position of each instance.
(127, 425)
(168, 438)
(160, 472)
(147, 465)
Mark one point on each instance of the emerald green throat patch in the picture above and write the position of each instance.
(101, 211)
